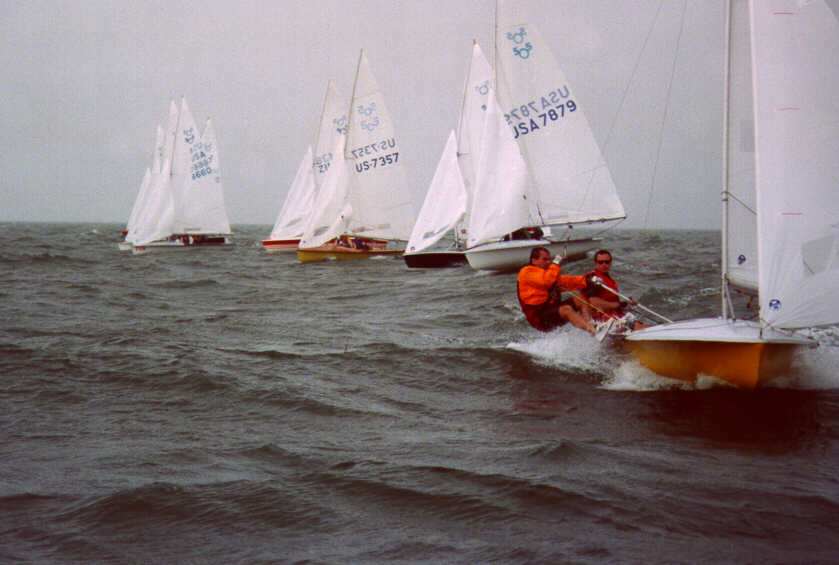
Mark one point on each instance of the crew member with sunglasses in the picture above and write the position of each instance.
(607, 304)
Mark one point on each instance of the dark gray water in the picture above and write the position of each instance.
(230, 406)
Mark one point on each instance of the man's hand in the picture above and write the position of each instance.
(558, 258)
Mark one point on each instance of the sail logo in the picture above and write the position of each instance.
(371, 124)
(775, 304)
(369, 111)
(323, 162)
(518, 39)
(340, 125)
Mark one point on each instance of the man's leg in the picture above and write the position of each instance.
(568, 314)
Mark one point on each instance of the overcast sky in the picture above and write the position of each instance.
(85, 84)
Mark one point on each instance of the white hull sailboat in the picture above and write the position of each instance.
(507, 255)
(782, 126)
(363, 204)
(539, 163)
(288, 229)
(183, 207)
(449, 197)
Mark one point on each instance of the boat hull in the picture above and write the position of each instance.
(182, 243)
(734, 351)
(340, 253)
(514, 254)
(435, 259)
(280, 245)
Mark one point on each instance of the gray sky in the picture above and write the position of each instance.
(86, 83)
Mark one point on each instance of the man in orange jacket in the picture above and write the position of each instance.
(540, 304)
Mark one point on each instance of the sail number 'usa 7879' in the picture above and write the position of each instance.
(541, 113)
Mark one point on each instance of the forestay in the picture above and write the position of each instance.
(569, 180)
(797, 116)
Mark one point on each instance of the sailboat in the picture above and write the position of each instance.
(141, 201)
(184, 205)
(448, 199)
(554, 175)
(363, 203)
(288, 229)
(782, 128)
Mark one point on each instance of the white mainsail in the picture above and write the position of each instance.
(158, 214)
(139, 203)
(298, 204)
(740, 222)
(382, 205)
(331, 209)
(569, 180)
(796, 77)
(445, 203)
(479, 83)
(202, 206)
(313, 169)
(794, 122)
(185, 194)
(449, 199)
(500, 203)
(333, 125)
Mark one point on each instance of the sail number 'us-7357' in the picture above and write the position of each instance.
(379, 154)
(541, 113)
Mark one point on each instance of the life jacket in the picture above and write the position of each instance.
(532, 311)
(604, 294)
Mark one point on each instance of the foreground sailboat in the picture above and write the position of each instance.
(539, 164)
(782, 125)
(183, 206)
(363, 203)
(448, 200)
(288, 229)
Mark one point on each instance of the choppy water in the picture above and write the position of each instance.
(237, 407)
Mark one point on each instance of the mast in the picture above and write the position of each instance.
(352, 100)
(457, 239)
(322, 112)
(724, 311)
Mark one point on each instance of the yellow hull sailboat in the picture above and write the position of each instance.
(363, 202)
(780, 237)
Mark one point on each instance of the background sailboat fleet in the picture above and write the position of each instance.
(522, 156)
(180, 203)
